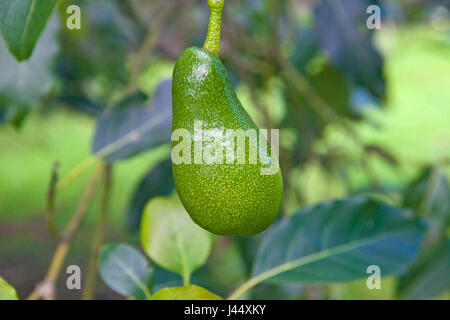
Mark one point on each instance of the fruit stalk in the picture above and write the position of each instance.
(212, 43)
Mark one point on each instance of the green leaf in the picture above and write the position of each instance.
(337, 26)
(429, 196)
(191, 292)
(158, 182)
(23, 84)
(125, 271)
(127, 130)
(429, 276)
(7, 292)
(22, 22)
(172, 239)
(336, 241)
(164, 278)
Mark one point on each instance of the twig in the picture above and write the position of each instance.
(307, 91)
(149, 43)
(91, 278)
(325, 111)
(51, 199)
(75, 172)
(46, 289)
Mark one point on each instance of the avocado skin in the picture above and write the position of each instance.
(225, 199)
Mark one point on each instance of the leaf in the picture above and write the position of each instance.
(105, 65)
(127, 130)
(190, 292)
(125, 271)
(337, 241)
(332, 87)
(159, 182)
(429, 276)
(429, 196)
(22, 22)
(334, 90)
(23, 84)
(347, 46)
(164, 278)
(172, 239)
(7, 292)
(306, 47)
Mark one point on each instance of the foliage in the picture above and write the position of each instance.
(125, 270)
(19, 91)
(172, 239)
(129, 129)
(7, 292)
(22, 23)
(184, 293)
(363, 118)
(427, 278)
(309, 245)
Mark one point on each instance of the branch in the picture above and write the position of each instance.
(51, 199)
(91, 278)
(46, 289)
(149, 43)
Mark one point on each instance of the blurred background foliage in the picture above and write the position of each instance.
(360, 112)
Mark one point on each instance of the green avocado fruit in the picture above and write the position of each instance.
(223, 198)
(225, 172)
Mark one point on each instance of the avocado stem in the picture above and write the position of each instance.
(212, 43)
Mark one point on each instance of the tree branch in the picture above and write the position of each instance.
(91, 278)
(46, 289)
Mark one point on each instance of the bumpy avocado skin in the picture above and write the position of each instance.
(225, 199)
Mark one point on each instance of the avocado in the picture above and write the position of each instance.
(224, 197)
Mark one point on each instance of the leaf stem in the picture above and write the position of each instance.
(75, 172)
(91, 278)
(185, 272)
(212, 43)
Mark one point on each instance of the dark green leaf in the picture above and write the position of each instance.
(429, 196)
(125, 271)
(333, 88)
(337, 241)
(23, 84)
(429, 276)
(159, 182)
(125, 131)
(164, 278)
(306, 48)
(346, 44)
(22, 22)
